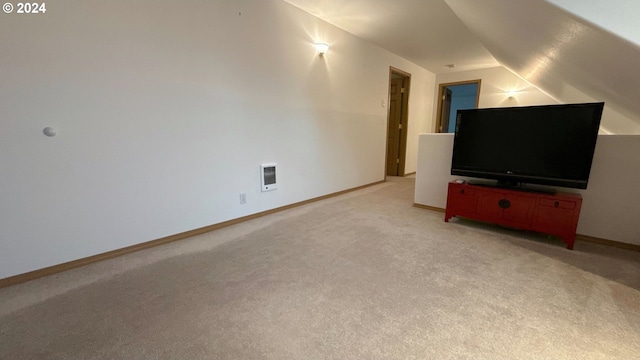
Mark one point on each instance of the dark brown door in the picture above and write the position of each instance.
(446, 110)
(394, 132)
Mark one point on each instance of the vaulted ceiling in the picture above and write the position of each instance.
(427, 32)
(552, 48)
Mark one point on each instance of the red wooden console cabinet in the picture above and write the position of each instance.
(554, 214)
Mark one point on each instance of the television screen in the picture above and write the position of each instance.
(547, 145)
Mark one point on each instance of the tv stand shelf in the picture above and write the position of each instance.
(554, 214)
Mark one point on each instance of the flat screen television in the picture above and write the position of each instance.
(546, 145)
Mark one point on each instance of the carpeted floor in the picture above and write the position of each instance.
(364, 275)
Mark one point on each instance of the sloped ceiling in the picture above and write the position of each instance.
(549, 46)
(426, 32)
(553, 49)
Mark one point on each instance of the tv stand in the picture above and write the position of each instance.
(554, 214)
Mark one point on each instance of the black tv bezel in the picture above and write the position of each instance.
(518, 180)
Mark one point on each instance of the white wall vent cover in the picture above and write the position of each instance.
(268, 177)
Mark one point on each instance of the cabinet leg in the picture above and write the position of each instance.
(569, 241)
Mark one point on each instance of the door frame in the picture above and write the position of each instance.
(404, 119)
(441, 88)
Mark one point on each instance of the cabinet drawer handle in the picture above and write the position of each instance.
(504, 203)
(462, 191)
(556, 204)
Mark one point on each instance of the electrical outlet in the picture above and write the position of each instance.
(243, 198)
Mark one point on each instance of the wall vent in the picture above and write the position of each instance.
(268, 177)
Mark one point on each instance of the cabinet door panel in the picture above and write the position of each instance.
(521, 209)
(461, 200)
(488, 204)
(554, 221)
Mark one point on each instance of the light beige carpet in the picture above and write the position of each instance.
(361, 276)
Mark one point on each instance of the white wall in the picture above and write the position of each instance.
(611, 201)
(434, 167)
(420, 110)
(165, 110)
(496, 83)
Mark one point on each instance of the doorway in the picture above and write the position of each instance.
(453, 97)
(397, 121)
